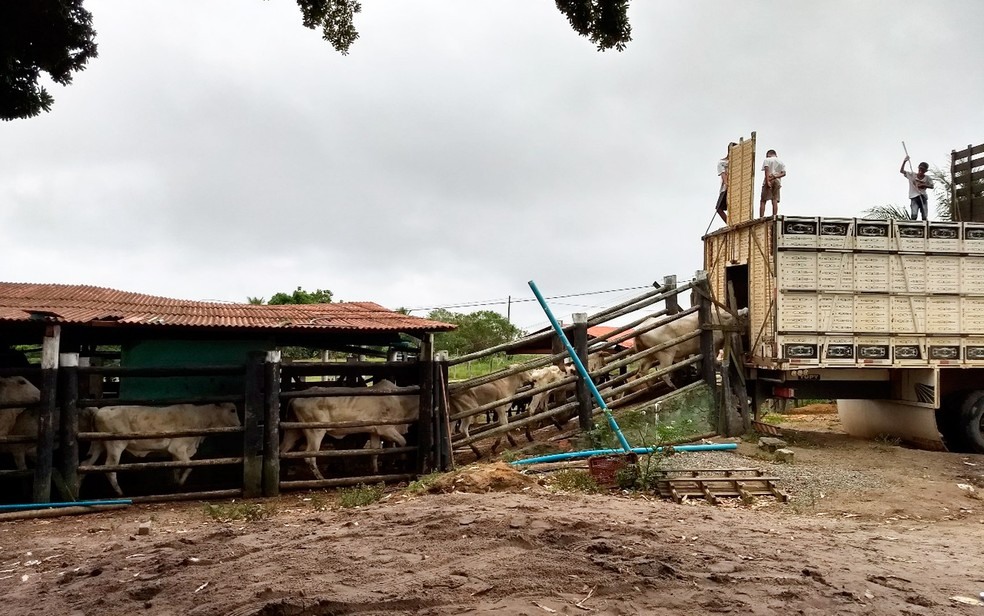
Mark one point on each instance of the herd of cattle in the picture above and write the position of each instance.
(394, 413)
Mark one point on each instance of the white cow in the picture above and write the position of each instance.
(350, 408)
(145, 419)
(15, 390)
(675, 329)
(500, 389)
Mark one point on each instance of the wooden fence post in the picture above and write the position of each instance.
(445, 461)
(672, 301)
(706, 333)
(579, 340)
(252, 436)
(426, 460)
(69, 432)
(46, 414)
(271, 425)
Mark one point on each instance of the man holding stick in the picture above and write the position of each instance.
(918, 183)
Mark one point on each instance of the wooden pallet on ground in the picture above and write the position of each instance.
(712, 484)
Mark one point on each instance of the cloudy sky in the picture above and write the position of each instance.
(218, 150)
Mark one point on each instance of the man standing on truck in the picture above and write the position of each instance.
(722, 203)
(774, 170)
(918, 183)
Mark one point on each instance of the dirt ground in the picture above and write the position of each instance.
(871, 528)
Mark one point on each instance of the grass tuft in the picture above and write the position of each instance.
(574, 480)
(360, 495)
(228, 512)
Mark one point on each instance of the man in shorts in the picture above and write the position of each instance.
(918, 183)
(774, 171)
(722, 202)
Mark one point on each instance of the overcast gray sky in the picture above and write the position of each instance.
(219, 150)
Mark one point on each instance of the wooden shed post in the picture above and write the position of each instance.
(426, 425)
(706, 332)
(252, 436)
(672, 301)
(69, 433)
(579, 340)
(445, 461)
(271, 425)
(46, 414)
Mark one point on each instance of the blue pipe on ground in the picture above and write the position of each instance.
(91, 503)
(581, 369)
(574, 455)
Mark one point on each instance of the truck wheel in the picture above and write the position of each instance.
(972, 416)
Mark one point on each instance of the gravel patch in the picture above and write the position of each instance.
(797, 480)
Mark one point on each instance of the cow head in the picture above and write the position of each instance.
(228, 416)
(18, 390)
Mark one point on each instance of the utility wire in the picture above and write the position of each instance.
(520, 300)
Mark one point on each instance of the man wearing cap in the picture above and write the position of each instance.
(918, 183)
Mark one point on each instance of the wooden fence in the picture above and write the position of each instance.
(244, 460)
(618, 385)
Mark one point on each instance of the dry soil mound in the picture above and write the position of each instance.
(482, 478)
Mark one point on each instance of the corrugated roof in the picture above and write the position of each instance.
(87, 304)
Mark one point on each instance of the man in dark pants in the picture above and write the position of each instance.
(918, 183)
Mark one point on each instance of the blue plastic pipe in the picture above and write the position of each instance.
(581, 369)
(574, 455)
(91, 503)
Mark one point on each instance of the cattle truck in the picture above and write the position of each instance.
(886, 316)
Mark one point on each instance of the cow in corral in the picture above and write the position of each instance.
(401, 408)
(500, 389)
(15, 390)
(27, 425)
(675, 329)
(145, 419)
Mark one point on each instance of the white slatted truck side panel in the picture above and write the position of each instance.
(888, 313)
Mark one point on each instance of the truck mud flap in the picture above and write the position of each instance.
(914, 425)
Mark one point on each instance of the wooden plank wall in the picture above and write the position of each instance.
(748, 244)
(967, 189)
(741, 181)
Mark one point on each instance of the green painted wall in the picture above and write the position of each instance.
(179, 353)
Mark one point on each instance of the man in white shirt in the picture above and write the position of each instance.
(918, 183)
(722, 202)
(774, 171)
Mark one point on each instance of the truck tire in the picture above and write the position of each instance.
(972, 417)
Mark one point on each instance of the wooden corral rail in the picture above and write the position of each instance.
(617, 390)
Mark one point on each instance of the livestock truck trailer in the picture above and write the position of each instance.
(885, 316)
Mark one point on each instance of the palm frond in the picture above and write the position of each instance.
(889, 211)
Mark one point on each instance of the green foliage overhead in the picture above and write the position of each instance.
(300, 296)
(336, 18)
(476, 331)
(604, 22)
(56, 37)
(51, 36)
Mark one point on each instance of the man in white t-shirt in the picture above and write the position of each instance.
(722, 202)
(774, 171)
(918, 183)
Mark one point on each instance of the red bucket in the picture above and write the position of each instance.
(605, 469)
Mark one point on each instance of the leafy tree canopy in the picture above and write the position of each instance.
(300, 296)
(56, 37)
(476, 331)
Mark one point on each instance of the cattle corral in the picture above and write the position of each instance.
(124, 384)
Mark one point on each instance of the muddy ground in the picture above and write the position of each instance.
(871, 528)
